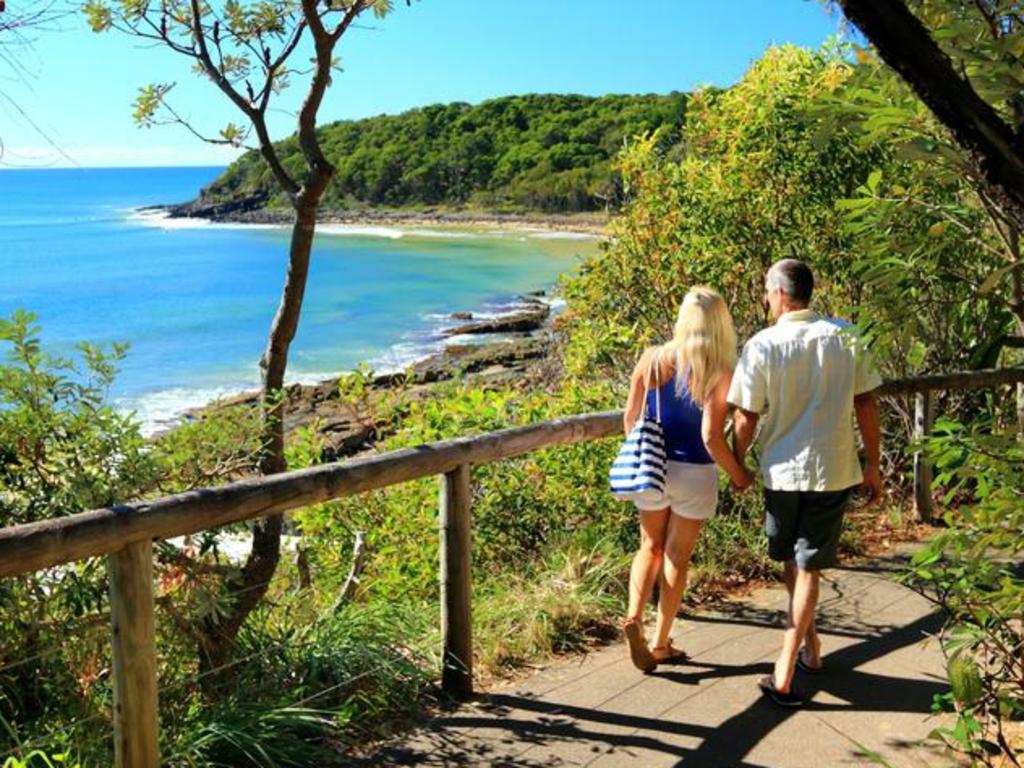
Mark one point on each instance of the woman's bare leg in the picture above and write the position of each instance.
(679, 543)
(646, 561)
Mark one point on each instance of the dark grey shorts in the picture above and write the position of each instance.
(805, 525)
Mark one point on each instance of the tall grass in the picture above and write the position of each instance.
(311, 690)
(567, 602)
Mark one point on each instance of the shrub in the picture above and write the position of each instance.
(972, 571)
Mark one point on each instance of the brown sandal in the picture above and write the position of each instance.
(639, 653)
(672, 655)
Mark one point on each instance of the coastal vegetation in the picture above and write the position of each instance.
(537, 152)
(827, 155)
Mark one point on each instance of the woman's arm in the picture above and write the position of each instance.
(713, 431)
(635, 402)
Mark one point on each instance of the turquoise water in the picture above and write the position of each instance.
(194, 300)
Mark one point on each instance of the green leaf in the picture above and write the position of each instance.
(992, 281)
(148, 102)
(965, 680)
(98, 15)
(233, 134)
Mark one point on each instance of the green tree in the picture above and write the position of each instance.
(968, 570)
(541, 151)
(756, 181)
(928, 228)
(251, 51)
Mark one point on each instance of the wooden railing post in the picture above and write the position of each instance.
(456, 586)
(134, 656)
(1020, 410)
(923, 418)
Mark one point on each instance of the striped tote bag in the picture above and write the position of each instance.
(638, 473)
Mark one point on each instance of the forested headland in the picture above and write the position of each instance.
(551, 153)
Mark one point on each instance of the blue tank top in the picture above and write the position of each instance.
(681, 420)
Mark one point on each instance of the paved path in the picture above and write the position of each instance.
(599, 711)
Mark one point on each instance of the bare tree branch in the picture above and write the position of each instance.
(274, 67)
(348, 591)
(256, 117)
(177, 119)
(324, 42)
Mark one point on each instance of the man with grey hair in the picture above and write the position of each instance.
(804, 379)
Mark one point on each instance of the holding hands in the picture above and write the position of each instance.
(744, 423)
(742, 480)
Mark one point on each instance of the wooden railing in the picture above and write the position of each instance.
(125, 534)
(924, 416)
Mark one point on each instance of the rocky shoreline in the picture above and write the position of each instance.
(254, 210)
(515, 347)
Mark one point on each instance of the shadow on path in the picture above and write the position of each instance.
(863, 692)
(517, 723)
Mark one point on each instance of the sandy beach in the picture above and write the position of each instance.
(252, 211)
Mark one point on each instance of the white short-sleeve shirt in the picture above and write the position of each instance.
(801, 375)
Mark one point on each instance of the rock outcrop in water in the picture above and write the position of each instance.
(348, 428)
(531, 318)
(238, 209)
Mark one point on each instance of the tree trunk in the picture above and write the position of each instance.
(906, 45)
(282, 331)
(247, 592)
(217, 636)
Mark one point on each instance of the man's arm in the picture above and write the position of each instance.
(747, 395)
(866, 408)
(744, 424)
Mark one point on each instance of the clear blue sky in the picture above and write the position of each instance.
(82, 85)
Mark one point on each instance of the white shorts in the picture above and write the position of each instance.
(691, 491)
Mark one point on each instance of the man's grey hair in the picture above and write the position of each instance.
(793, 278)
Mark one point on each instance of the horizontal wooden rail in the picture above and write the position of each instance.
(34, 546)
(990, 377)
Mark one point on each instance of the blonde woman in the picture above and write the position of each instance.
(692, 374)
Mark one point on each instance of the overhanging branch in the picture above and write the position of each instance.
(906, 45)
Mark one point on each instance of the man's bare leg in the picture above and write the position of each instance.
(812, 643)
(804, 604)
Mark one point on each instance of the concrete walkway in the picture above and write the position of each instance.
(870, 707)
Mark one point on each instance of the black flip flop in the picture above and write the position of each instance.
(803, 666)
(790, 699)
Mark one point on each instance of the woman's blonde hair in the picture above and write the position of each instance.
(703, 342)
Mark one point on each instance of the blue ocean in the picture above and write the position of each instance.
(194, 299)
